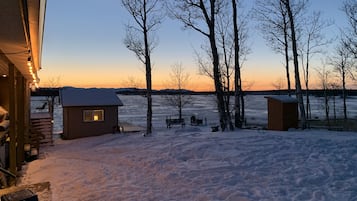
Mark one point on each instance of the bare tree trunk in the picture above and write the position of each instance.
(180, 104)
(227, 86)
(237, 78)
(296, 65)
(286, 51)
(149, 98)
(308, 115)
(148, 77)
(243, 105)
(344, 95)
(146, 15)
(327, 107)
(217, 82)
(216, 72)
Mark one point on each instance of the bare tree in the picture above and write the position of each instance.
(179, 80)
(225, 46)
(200, 15)
(147, 16)
(298, 90)
(324, 77)
(241, 50)
(274, 24)
(312, 42)
(334, 87)
(232, 38)
(133, 82)
(343, 63)
(52, 83)
(278, 84)
(350, 9)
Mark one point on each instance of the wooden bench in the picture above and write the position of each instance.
(170, 122)
(195, 121)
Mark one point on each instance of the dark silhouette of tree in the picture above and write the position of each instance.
(278, 84)
(133, 82)
(274, 24)
(225, 47)
(53, 83)
(350, 9)
(324, 78)
(200, 15)
(240, 37)
(179, 79)
(298, 91)
(343, 63)
(147, 16)
(312, 42)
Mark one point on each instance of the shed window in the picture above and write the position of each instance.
(93, 115)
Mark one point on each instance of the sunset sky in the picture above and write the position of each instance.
(83, 47)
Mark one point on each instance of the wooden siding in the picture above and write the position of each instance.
(282, 116)
(75, 127)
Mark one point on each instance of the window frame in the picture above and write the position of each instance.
(89, 115)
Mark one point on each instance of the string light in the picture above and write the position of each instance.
(34, 83)
(29, 61)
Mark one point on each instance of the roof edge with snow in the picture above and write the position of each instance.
(283, 98)
(73, 97)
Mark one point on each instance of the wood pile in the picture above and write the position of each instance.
(41, 129)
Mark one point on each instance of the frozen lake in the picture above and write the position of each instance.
(202, 106)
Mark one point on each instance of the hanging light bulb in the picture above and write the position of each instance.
(29, 61)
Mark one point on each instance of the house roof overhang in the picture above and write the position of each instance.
(21, 36)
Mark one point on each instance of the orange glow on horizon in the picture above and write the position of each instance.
(253, 80)
(200, 85)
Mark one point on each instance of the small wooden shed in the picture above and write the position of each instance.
(282, 113)
(89, 112)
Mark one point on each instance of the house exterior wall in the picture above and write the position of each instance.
(75, 127)
(15, 98)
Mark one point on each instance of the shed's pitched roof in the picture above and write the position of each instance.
(283, 99)
(71, 97)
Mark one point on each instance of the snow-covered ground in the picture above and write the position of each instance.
(193, 163)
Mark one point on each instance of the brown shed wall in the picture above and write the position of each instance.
(282, 116)
(75, 127)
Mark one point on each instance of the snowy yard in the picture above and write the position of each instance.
(194, 163)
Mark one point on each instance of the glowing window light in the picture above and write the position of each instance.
(93, 115)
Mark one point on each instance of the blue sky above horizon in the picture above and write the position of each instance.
(83, 47)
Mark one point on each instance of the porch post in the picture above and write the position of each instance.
(13, 123)
(21, 105)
